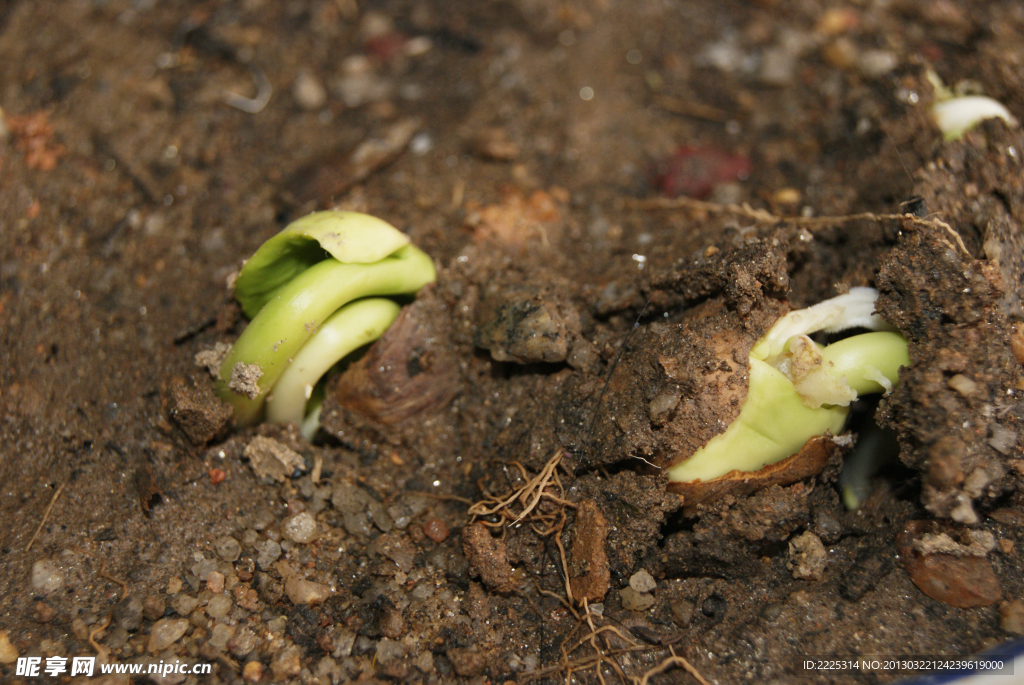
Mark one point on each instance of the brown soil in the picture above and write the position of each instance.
(582, 335)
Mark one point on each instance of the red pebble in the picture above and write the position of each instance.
(436, 530)
(217, 476)
(695, 171)
(386, 47)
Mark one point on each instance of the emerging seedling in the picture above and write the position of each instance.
(955, 115)
(798, 390)
(301, 289)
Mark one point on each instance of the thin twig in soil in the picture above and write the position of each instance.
(766, 217)
(46, 515)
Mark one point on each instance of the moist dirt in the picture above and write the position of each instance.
(487, 501)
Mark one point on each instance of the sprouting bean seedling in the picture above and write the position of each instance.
(314, 293)
(798, 390)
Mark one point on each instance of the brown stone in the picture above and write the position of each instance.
(963, 579)
(436, 530)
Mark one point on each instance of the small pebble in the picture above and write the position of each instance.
(344, 641)
(379, 516)
(46, 577)
(436, 530)
(287, 663)
(963, 385)
(841, 53)
(388, 649)
(778, 67)
(875, 63)
(79, 628)
(219, 606)
(1002, 439)
(166, 632)
(635, 601)
(682, 612)
(959, 581)
(425, 661)
(252, 672)
(220, 635)
(215, 582)
(301, 591)
(153, 607)
(203, 568)
(661, 406)
(786, 196)
(642, 581)
(269, 552)
(128, 613)
(228, 548)
(836, 21)
(184, 604)
(1011, 617)
(308, 91)
(8, 654)
(467, 661)
(325, 668)
(772, 612)
(827, 527)
(300, 528)
(418, 45)
(243, 642)
(174, 586)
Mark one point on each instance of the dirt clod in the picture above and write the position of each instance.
(589, 576)
(271, 459)
(526, 325)
(467, 661)
(244, 379)
(487, 557)
(807, 557)
(195, 409)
